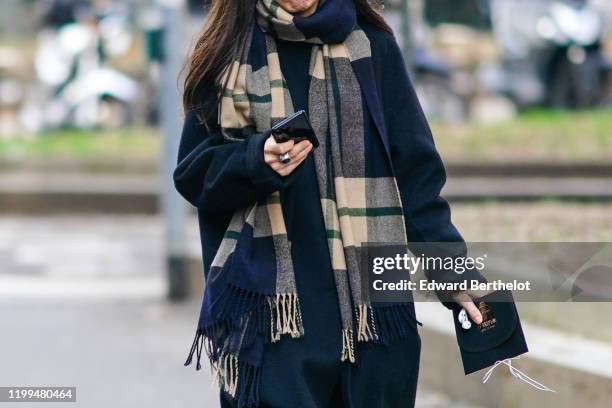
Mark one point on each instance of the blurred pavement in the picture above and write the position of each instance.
(82, 304)
(117, 353)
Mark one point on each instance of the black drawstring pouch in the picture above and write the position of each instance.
(498, 337)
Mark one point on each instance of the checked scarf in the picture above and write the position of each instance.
(251, 297)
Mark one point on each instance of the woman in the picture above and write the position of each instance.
(284, 320)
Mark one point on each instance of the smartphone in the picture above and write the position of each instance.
(295, 127)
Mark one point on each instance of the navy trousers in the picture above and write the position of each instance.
(298, 376)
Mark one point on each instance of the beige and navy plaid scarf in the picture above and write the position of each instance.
(251, 296)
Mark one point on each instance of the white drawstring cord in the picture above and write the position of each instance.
(517, 374)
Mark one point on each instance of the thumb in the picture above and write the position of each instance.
(472, 311)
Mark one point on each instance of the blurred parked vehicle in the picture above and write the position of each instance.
(12, 64)
(435, 83)
(552, 53)
(80, 89)
(433, 75)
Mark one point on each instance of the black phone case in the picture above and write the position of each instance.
(295, 127)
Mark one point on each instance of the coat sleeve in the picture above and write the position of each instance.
(220, 177)
(417, 165)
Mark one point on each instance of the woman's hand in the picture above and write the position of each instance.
(297, 152)
(465, 300)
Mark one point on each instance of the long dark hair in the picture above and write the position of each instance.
(219, 43)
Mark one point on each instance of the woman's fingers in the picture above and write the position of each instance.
(295, 162)
(472, 311)
(300, 147)
(271, 147)
(286, 169)
(273, 150)
(297, 153)
(464, 299)
(274, 161)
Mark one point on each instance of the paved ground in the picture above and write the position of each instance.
(117, 353)
(82, 304)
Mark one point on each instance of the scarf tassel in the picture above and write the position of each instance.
(257, 314)
(394, 322)
(379, 325)
(238, 379)
(285, 316)
(248, 315)
(196, 348)
(366, 325)
(348, 346)
(244, 316)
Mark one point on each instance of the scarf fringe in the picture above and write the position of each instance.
(285, 316)
(268, 315)
(366, 325)
(196, 348)
(348, 346)
(244, 315)
(237, 378)
(394, 322)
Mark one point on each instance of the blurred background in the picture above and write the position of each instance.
(100, 271)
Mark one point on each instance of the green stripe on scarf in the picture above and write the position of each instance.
(334, 234)
(231, 234)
